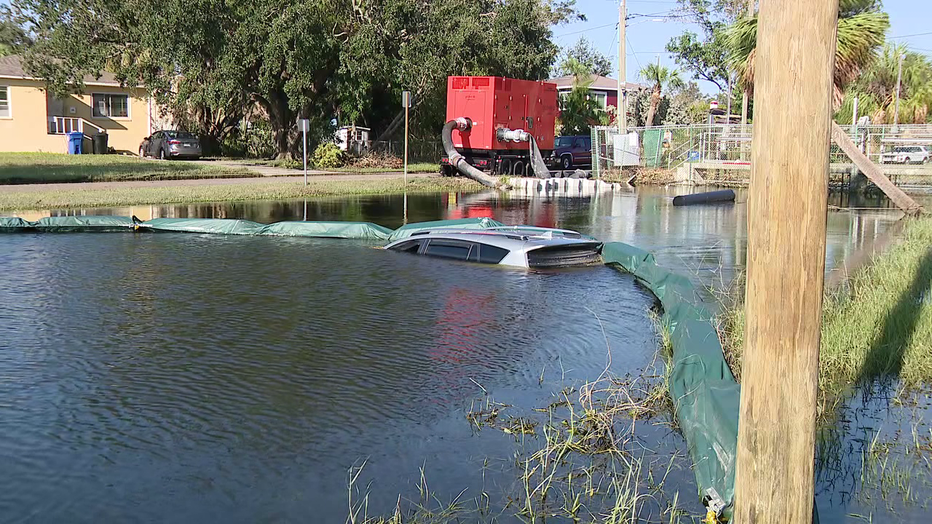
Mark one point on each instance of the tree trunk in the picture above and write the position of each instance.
(282, 121)
(654, 102)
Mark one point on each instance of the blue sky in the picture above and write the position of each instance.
(649, 32)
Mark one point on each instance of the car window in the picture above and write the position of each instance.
(448, 249)
(587, 143)
(411, 246)
(563, 141)
(491, 254)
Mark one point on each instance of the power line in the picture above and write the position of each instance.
(914, 34)
(633, 52)
(586, 30)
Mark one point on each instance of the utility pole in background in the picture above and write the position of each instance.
(786, 208)
(896, 110)
(621, 104)
(745, 99)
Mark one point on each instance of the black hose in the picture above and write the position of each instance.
(459, 162)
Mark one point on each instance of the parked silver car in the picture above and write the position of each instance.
(905, 155)
(520, 246)
(168, 144)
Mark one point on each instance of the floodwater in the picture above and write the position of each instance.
(199, 378)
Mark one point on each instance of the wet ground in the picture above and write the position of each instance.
(207, 378)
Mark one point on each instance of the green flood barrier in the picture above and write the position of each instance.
(704, 391)
(224, 226)
(350, 230)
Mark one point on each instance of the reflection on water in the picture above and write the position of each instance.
(209, 378)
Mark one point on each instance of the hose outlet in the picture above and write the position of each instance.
(463, 124)
(512, 135)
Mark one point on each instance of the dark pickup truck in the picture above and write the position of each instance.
(570, 152)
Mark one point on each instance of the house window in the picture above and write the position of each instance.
(114, 106)
(4, 101)
(600, 98)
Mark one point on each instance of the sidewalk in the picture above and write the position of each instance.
(267, 175)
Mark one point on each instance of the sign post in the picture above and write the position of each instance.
(406, 103)
(304, 125)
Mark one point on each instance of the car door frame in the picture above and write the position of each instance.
(580, 154)
(153, 139)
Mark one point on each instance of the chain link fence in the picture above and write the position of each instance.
(903, 151)
(418, 150)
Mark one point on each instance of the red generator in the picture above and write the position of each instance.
(494, 105)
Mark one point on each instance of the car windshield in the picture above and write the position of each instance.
(180, 134)
(563, 141)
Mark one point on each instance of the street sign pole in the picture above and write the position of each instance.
(304, 124)
(406, 103)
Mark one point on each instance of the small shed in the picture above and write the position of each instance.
(353, 139)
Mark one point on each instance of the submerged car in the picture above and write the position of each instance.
(170, 144)
(519, 246)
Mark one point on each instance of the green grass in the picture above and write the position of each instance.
(879, 325)
(79, 197)
(39, 168)
(420, 167)
(416, 167)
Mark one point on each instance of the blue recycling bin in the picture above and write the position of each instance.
(75, 142)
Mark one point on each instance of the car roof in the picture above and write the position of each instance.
(528, 238)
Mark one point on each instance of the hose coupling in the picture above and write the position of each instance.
(463, 124)
(512, 135)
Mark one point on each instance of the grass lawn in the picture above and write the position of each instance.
(112, 197)
(38, 168)
(420, 167)
(879, 325)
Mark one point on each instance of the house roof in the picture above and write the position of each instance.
(12, 67)
(602, 83)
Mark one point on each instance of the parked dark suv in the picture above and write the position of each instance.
(571, 151)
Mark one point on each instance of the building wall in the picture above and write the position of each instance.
(27, 128)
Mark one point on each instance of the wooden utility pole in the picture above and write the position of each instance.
(744, 97)
(622, 83)
(787, 207)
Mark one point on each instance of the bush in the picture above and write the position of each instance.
(327, 155)
(377, 159)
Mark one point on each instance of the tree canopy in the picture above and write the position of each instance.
(861, 29)
(584, 53)
(216, 60)
(705, 55)
(578, 110)
(875, 89)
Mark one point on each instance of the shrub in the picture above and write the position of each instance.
(327, 155)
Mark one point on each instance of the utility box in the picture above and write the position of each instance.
(494, 103)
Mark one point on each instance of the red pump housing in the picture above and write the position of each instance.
(493, 103)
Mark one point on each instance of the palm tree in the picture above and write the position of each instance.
(861, 29)
(662, 78)
(876, 87)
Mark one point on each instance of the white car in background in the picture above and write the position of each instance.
(906, 155)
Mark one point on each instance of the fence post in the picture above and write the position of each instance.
(594, 143)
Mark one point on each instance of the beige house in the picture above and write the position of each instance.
(31, 119)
